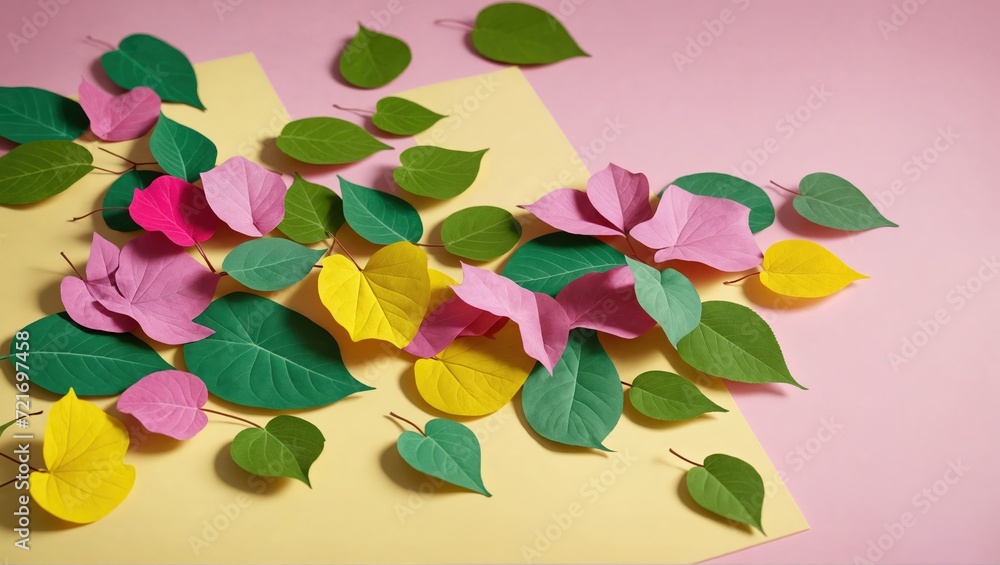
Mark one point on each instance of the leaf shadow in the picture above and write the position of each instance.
(400, 472)
(141, 440)
(99, 76)
(338, 51)
(760, 295)
(549, 444)
(408, 385)
(234, 476)
(792, 221)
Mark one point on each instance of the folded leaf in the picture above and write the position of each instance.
(728, 487)
(550, 262)
(311, 210)
(399, 116)
(606, 302)
(181, 151)
(831, 201)
(31, 114)
(721, 185)
(248, 197)
(119, 195)
(379, 217)
(167, 402)
(796, 267)
(620, 196)
(454, 318)
(81, 303)
(449, 451)
(37, 170)
(327, 141)
(118, 118)
(176, 208)
(286, 447)
(669, 297)
(669, 397)
(571, 211)
(373, 59)
(436, 172)
(480, 233)
(521, 34)
(144, 60)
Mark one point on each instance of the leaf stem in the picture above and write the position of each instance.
(356, 111)
(734, 281)
(685, 458)
(244, 420)
(92, 212)
(126, 159)
(628, 384)
(344, 249)
(77, 271)
(95, 167)
(5, 357)
(205, 257)
(429, 244)
(463, 24)
(5, 456)
(8, 482)
(795, 192)
(100, 43)
(398, 417)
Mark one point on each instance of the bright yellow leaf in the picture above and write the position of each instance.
(440, 289)
(475, 375)
(83, 451)
(796, 267)
(386, 300)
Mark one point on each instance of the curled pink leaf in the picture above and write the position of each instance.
(606, 302)
(570, 210)
(620, 196)
(118, 118)
(248, 197)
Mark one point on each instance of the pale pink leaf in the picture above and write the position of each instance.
(248, 197)
(620, 196)
(78, 297)
(175, 207)
(118, 118)
(167, 402)
(704, 229)
(570, 210)
(606, 302)
(454, 318)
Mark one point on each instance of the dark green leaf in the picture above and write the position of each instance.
(449, 451)
(373, 59)
(379, 217)
(436, 172)
(327, 141)
(144, 60)
(32, 114)
(521, 34)
(311, 210)
(669, 397)
(721, 185)
(120, 194)
(270, 263)
(831, 201)
(480, 233)
(401, 117)
(728, 487)
(181, 151)
(548, 263)
(668, 297)
(286, 447)
(40, 169)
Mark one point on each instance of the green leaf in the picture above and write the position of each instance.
(449, 451)
(120, 194)
(581, 402)
(286, 447)
(669, 397)
(399, 116)
(548, 263)
(32, 114)
(728, 487)
(734, 343)
(93, 363)
(327, 141)
(270, 263)
(40, 169)
(520, 34)
(267, 356)
(480, 233)
(436, 172)
(311, 210)
(379, 217)
(721, 185)
(373, 59)
(144, 60)
(668, 297)
(831, 201)
(4, 427)
(181, 151)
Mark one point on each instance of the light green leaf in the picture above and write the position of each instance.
(286, 447)
(480, 233)
(327, 141)
(436, 172)
(311, 210)
(270, 263)
(728, 487)
(119, 196)
(669, 397)
(40, 169)
(379, 217)
(373, 59)
(521, 34)
(144, 60)
(449, 451)
(548, 263)
(32, 114)
(181, 151)
(721, 185)
(399, 116)
(668, 297)
(831, 201)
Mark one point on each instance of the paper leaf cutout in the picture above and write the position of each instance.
(571, 211)
(175, 208)
(606, 302)
(373, 59)
(543, 323)
(144, 60)
(119, 195)
(454, 318)
(521, 34)
(548, 263)
(708, 230)
(728, 487)
(181, 151)
(669, 297)
(118, 118)
(436, 172)
(94, 363)
(721, 185)
(264, 355)
(327, 141)
(311, 210)
(81, 302)
(480, 233)
(168, 403)
(474, 376)
(270, 263)
(669, 397)
(31, 114)
(84, 452)
(582, 401)
(399, 116)
(734, 343)
(248, 197)
(286, 447)
(385, 301)
(796, 267)
(40, 169)
(449, 451)
(380, 217)
(831, 201)
(620, 196)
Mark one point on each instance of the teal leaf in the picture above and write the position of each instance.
(144, 60)
(521, 34)
(181, 151)
(833, 202)
(379, 217)
(721, 185)
(449, 451)
(32, 114)
(548, 263)
(119, 196)
(480, 233)
(399, 116)
(270, 263)
(40, 169)
(373, 59)
(436, 172)
(327, 141)
(311, 210)
(286, 447)
(728, 487)
(668, 297)
(669, 397)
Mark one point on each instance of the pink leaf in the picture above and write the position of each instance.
(161, 287)
(118, 118)
(175, 207)
(541, 320)
(569, 210)
(248, 197)
(167, 402)
(620, 196)
(606, 302)
(78, 297)
(452, 319)
(690, 227)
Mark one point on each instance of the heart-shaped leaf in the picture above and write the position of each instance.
(327, 141)
(373, 59)
(480, 233)
(380, 217)
(436, 172)
(167, 402)
(119, 195)
(118, 118)
(399, 116)
(270, 263)
(449, 451)
(721, 185)
(669, 297)
(831, 201)
(144, 60)
(669, 397)
(180, 150)
(40, 169)
(267, 356)
(728, 487)
(548, 263)
(606, 302)
(521, 34)
(248, 197)
(286, 447)
(311, 211)
(31, 114)
(796, 267)
(175, 208)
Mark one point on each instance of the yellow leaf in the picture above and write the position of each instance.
(385, 301)
(83, 452)
(796, 267)
(475, 375)
(440, 289)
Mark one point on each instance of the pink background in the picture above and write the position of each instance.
(888, 96)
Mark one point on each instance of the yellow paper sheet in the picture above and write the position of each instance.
(551, 504)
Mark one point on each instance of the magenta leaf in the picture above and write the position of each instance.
(620, 196)
(175, 207)
(118, 118)
(248, 197)
(454, 318)
(606, 302)
(570, 210)
(167, 402)
(704, 229)
(79, 300)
